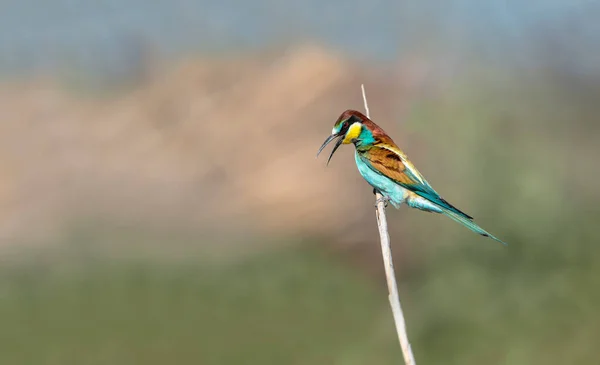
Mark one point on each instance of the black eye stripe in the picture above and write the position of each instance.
(345, 124)
(345, 127)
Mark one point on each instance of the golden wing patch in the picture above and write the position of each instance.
(390, 164)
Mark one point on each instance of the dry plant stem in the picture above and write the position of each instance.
(386, 252)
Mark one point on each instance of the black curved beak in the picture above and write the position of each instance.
(327, 141)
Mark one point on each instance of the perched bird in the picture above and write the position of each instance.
(387, 169)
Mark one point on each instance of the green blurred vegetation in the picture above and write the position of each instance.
(291, 306)
(521, 148)
(471, 303)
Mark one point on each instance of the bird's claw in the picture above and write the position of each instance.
(383, 200)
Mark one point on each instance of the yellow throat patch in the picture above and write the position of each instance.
(353, 132)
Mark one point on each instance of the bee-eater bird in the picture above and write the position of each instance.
(387, 169)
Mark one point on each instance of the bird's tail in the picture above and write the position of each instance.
(465, 221)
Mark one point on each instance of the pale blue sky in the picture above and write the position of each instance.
(100, 33)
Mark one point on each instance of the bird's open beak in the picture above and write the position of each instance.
(327, 141)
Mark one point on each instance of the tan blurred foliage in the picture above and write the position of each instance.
(224, 145)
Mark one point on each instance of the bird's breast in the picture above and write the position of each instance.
(384, 184)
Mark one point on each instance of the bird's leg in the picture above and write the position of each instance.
(383, 199)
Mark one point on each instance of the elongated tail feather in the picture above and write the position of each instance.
(469, 224)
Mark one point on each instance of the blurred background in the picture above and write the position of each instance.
(160, 200)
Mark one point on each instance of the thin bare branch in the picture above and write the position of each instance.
(386, 252)
(364, 94)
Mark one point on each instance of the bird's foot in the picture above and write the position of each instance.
(383, 200)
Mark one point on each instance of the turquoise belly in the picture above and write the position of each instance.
(392, 191)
